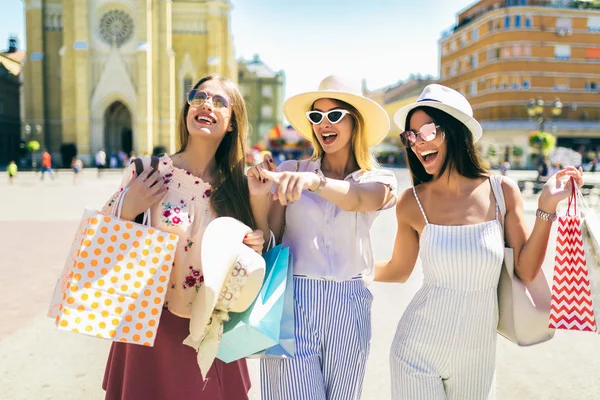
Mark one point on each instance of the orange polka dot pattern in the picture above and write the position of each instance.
(108, 290)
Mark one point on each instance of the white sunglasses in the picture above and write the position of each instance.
(334, 116)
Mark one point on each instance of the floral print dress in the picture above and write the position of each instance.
(184, 211)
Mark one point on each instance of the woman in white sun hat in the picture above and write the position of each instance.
(445, 344)
(325, 208)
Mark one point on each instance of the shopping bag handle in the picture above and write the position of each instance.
(572, 198)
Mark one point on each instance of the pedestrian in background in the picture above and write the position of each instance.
(11, 170)
(100, 161)
(77, 166)
(47, 164)
(504, 168)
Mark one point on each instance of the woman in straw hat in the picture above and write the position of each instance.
(445, 344)
(323, 211)
(203, 180)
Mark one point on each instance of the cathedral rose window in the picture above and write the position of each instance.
(116, 27)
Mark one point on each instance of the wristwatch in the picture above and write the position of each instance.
(544, 216)
(322, 182)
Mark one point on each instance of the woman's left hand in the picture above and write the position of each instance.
(291, 184)
(557, 188)
(255, 240)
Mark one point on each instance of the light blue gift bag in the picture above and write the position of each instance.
(287, 342)
(260, 326)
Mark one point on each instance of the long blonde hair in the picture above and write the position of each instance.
(230, 197)
(360, 148)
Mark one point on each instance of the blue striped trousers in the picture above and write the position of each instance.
(333, 339)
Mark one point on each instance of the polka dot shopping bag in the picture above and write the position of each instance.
(115, 278)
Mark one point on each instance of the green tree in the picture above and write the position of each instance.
(517, 151)
(542, 142)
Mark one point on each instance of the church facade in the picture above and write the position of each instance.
(113, 74)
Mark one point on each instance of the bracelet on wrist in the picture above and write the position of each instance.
(545, 216)
(322, 182)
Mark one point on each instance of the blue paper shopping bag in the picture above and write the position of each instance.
(259, 327)
(287, 342)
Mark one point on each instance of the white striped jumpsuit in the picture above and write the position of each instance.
(445, 344)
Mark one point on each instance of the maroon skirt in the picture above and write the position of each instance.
(169, 370)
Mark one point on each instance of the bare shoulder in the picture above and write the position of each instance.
(512, 193)
(407, 207)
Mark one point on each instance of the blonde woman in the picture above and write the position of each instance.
(203, 180)
(323, 211)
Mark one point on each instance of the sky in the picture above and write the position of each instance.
(382, 41)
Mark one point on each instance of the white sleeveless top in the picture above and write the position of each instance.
(461, 257)
(448, 330)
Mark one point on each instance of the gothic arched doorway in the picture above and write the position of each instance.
(118, 135)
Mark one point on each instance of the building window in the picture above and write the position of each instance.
(463, 40)
(506, 52)
(267, 91)
(473, 61)
(564, 23)
(267, 112)
(589, 87)
(528, 23)
(506, 22)
(490, 26)
(473, 88)
(592, 53)
(523, 2)
(526, 84)
(562, 52)
(516, 50)
(561, 83)
(453, 45)
(494, 54)
(527, 50)
(475, 34)
(594, 24)
(517, 21)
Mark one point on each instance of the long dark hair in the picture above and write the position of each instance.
(230, 197)
(461, 154)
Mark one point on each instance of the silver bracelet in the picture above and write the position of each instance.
(544, 216)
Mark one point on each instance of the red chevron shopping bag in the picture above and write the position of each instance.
(571, 306)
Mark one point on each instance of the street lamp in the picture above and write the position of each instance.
(535, 109)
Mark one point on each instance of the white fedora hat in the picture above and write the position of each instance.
(233, 276)
(445, 99)
(376, 121)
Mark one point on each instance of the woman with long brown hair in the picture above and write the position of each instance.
(445, 344)
(203, 180)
